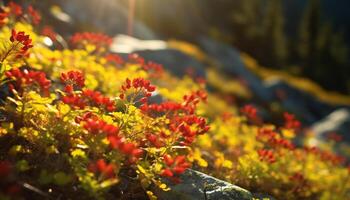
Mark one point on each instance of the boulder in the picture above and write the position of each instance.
(338, 121)
(175, 61)
(305, 106)
(110, 17)
(229, 61)
(199, 186)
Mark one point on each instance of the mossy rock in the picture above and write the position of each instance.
(199, 186)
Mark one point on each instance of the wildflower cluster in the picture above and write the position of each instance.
(27, 78)
(13, 12)
(97, 40)
(84, 123)
(99, 133)
(266, 153)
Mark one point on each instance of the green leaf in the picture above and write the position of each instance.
(61, 178)
(22, 165)
(45, 177)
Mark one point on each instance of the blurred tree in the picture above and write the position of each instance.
(245, 25)
(274, 39)
(309, 31)
(323, 53)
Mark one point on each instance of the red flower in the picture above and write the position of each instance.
(155, 140)
(97, 99)
(102, 168)
(15, 9)
(141, 86)
(3, 17)
(290, 121)
(24, 40)
(154, 69)
(97, 126)
(88, 97)
(266, 155)
(74, 101)
(135, 58)
(73, 78)
(114, 58)
(28, 78)
(34, 14)
(97, 39)
(335, 137)
(176, 165)
(251, 113)
(167, 173)
(269, 136)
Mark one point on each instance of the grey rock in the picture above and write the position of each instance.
(157, 51)
(229, 61)
(199, 186)
(338, 121)
(175, 61)
(303, 105)
(107, 16)
(127, 44)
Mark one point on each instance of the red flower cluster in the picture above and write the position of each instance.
(335, 137)
(89, 97)
(226, 116)
(267, 155)
(71, 79)
(141, 86)
(97, 126)
(191, 101)
(135, 58)
(127, 148)
(162, 107)
(97, 39)
(102, 168)
(188, 106)
(187, 127)
(174, 166)
(3, 17)
(291, 122)
(195, 97)
(271, 137)
(182, 120)
(15, 9)
(11, 9)
(155, 140)
(251, 113)
(34, 15)
(27, 78)
(21, 38)
(280, 142)
(114, 58)
(154, 69)
(325, 155)
(74, 101)
(97, 99)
